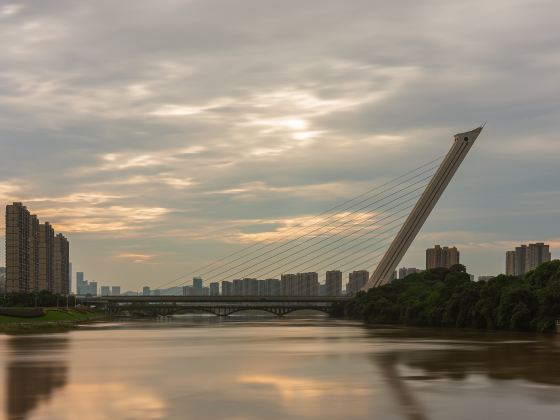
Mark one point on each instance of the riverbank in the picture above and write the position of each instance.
(53, 318)
(448, 298)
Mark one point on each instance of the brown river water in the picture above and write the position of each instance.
(202, 367)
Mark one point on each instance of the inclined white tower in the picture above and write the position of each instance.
(461, 146)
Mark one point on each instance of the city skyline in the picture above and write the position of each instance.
(167, 163)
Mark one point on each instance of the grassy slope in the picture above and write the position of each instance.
(52, 315)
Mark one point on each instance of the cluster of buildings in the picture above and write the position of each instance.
(37, 259)
(441, 257)
(299, 284)
(526, 258)
(85, 287)
(523, 259)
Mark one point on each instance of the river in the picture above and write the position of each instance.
(249, 368)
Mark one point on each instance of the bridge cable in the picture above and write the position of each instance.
(292, 247)
(308, 226)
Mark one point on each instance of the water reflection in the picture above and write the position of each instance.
(35, 370)
(429, 356)
(444, 354)
(241, 368)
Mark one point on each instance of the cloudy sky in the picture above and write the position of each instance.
(159, 136)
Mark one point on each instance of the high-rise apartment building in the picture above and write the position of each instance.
(404, 271)
(537, 254)
(288, 284)
(46, 257)
(237, 287)
(356, 280)
(511, 267)
(2, 279)
(81, 284)
(61, 264)
(92, 288)
(105, 291)
(520, 260)
(250, 287)
(146, 291)
(69, 276)
(18, 238)
(197, 286)
(115, 290)
(333, 283)
(31, 261)
(437, 257)
(227, 288)
(526, 258)
(307, 284)
(272, 287)
(214, 289)
(33, 250)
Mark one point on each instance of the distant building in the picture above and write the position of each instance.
(81, 284)
(105, 291)
(333, 283)
(2, 279)
(187, 291)
(92, 288)
(356, 280)
(237, 287)
(205, 291)
(288, 285)
(485, 278)
(307, 284)
(250, 287)
(273, 287)
(19, 243)
(511, 267)
(261, 287)
(404, 271)
(437, 257)
(146, 291)
(526, 258)
(46, 257)
(214, 289)
(197, 286)
(520, 260)
(157, 292)
(61, 264)
(115, 290)
(537, 254)
(69, 278)
(227, 289)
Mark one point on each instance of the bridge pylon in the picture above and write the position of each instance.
(419, 214)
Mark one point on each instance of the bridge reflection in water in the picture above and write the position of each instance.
(216, 305)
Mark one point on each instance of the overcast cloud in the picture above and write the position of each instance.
(159, 135)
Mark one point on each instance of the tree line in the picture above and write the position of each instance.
(444, 297)
(39, 299)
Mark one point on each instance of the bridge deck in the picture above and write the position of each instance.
(216, 299)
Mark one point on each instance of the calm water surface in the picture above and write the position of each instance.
(243, 368)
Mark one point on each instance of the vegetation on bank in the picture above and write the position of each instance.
(40, 299)
(38, 311)
(448, 298)
(52, 318)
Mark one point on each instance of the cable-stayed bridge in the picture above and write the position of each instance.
(373, 229)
